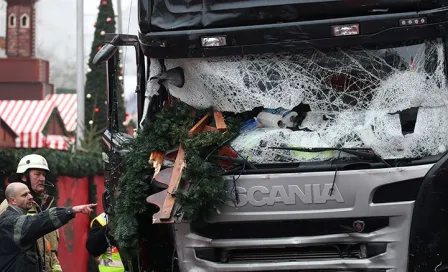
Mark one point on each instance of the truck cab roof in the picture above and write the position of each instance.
(177, 28)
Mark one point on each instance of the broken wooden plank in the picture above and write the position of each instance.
(166, 209)
(155, 158)
(199, 125)
(156, 161)
(174, 184)
(219, 120)
(157, 200)
(209, 128)
(161, 181)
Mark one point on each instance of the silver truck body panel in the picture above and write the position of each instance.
(305, 196)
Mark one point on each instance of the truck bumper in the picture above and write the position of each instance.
(359, 231)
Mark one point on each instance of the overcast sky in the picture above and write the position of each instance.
(56, 30)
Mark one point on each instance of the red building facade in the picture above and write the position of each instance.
(23, 76)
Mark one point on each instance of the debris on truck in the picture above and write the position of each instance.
(344, 98)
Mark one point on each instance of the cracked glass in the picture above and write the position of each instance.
(390, 99)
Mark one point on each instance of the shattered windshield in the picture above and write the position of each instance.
(393, 100)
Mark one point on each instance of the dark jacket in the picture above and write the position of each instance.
(19, 233)
(96, 243)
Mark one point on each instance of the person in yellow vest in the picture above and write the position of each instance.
(32, 170)
(100, 244)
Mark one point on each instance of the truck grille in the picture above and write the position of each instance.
(291, 254)
(332, 270)
(291, 228)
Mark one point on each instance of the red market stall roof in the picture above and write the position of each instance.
(67, 106)
(27, 119)
(59, 142)
(7, 135)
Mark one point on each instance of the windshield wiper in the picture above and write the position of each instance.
(238, 161)
(364, 153)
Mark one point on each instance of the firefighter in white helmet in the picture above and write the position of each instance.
(32, 170)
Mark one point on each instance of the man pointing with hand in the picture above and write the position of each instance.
(32, 170)
(19, 232)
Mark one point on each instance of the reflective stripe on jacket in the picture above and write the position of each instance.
(109, 261)
(50, 249)
(51, 262)
(20, 232)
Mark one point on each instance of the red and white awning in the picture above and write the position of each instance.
(27, 118)
(60, 142)
(67, 107)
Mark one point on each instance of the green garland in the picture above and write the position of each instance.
(208, 188)
(170, 128)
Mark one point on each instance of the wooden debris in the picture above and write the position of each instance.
(209, 128)
(199, 126)
(168, 196)
(156, 160)
(219, 120)
(174, 184)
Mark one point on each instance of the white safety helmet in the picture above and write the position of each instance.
(32, 161)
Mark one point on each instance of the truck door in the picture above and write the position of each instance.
(428, 244)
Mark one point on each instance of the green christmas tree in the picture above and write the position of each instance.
(96, 83)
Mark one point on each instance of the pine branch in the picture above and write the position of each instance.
(170, 128)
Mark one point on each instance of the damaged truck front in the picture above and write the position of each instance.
(340, 160)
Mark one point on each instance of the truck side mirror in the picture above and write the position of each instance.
(106, 52)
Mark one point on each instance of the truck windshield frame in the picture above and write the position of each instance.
(370, 108)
